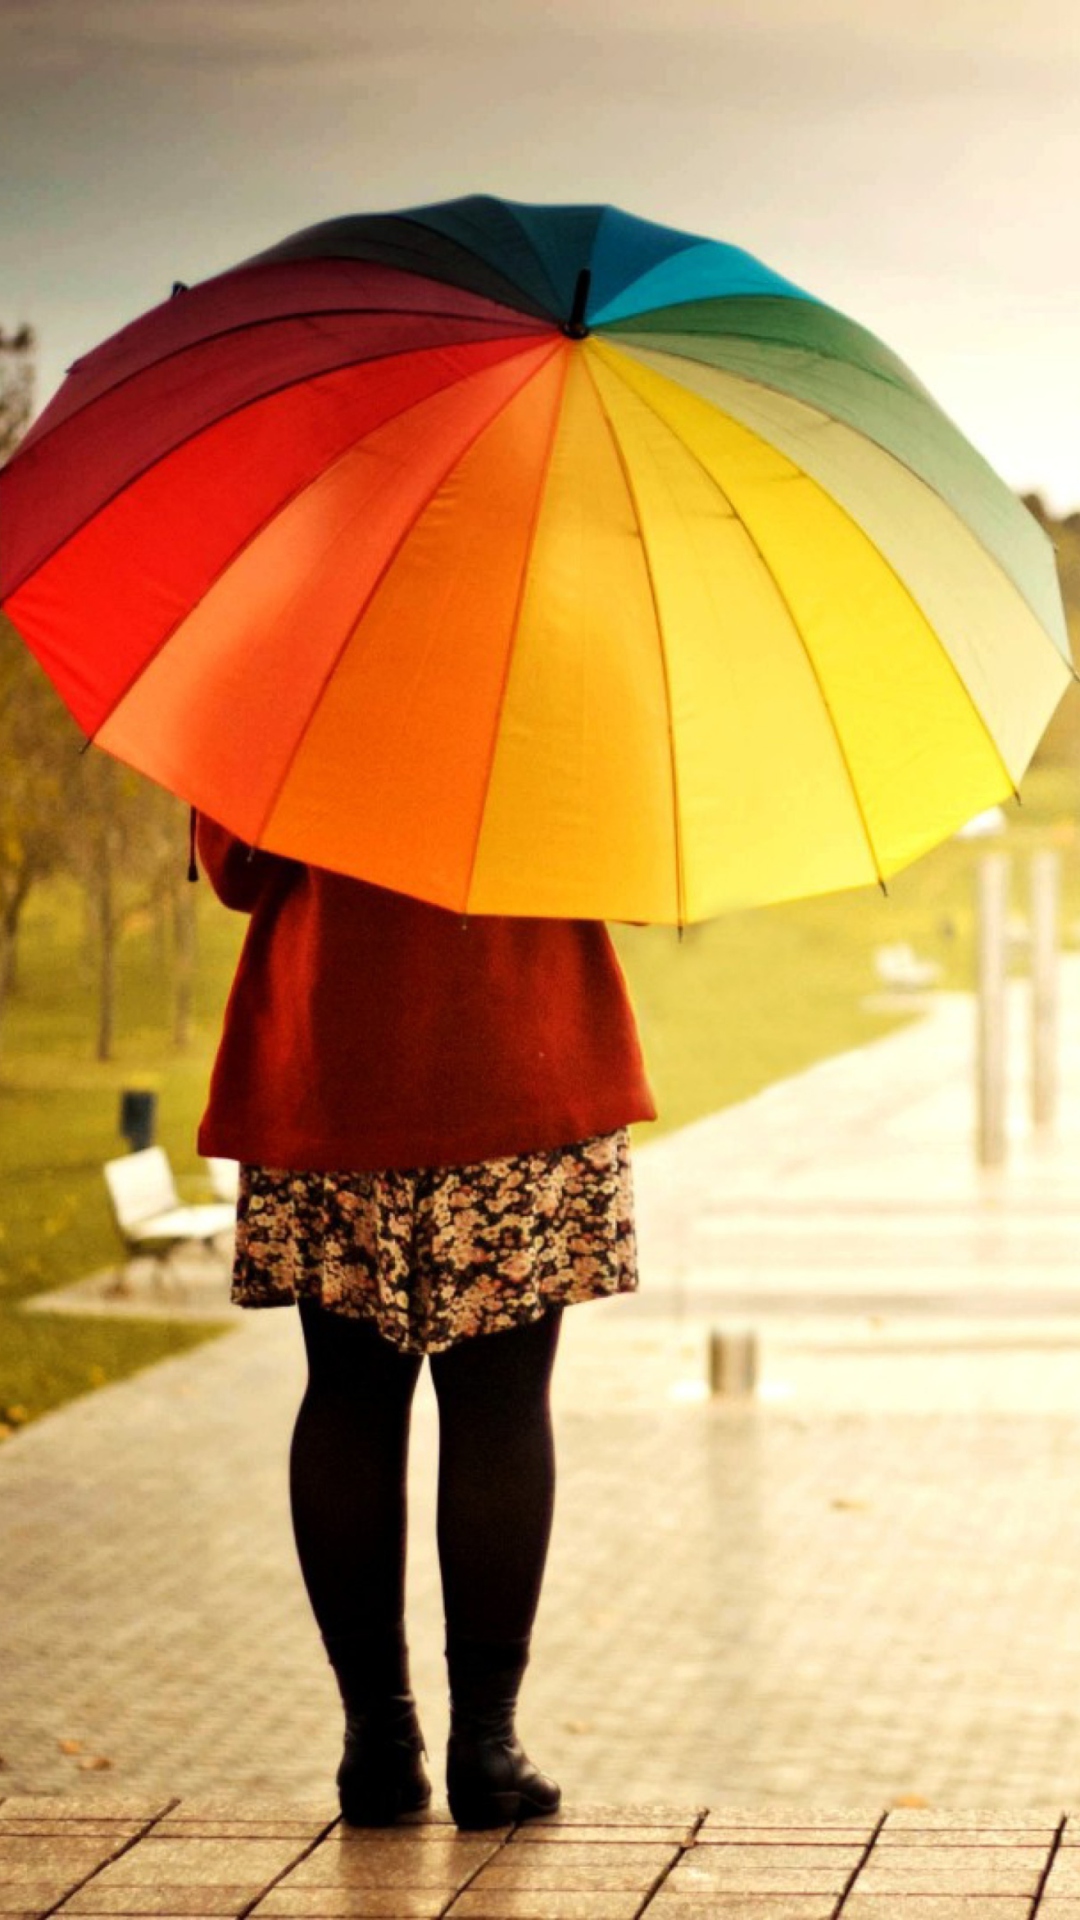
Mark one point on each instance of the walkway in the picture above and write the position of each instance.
(861, 1588)
(179, 1858)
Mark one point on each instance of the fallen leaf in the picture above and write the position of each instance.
(70, 1746)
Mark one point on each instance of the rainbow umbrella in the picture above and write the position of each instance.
(534, 560)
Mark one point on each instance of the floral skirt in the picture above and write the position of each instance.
(434, 1255)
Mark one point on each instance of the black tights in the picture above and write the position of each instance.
(348, 1487)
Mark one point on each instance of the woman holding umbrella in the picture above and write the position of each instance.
(527, 561)
(430, 1117)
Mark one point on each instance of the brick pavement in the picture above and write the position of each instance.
(174, 1859)
(863, 1586)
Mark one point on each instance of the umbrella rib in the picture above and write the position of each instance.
(227, 413)
(459, 454)
(632, 345)
(231, 558)
(898, 375)
(680, 874)
(905, 466)
(509, 207)
(514, 324)
(782, 597)
(518, 603)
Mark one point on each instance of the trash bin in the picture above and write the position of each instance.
(138, 1117)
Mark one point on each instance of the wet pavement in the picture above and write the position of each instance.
(858, 1587)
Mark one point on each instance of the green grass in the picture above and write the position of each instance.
(734, 1005)
(59, 1111)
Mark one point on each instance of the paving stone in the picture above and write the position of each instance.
(109, 1831)
(41, 1895)
(131, 1810)
(971, 1820)
(426, 1863)
(1064, 1875)
(585, 1813)
(354, 1903)
(719, 1859)
(302, 1832)
(955, 1837)
(792, 1819)
(706, 1875)
(409, 1832)
(199, 1862)
(197, 1808)
(35, 1857)
(745, 1906)
(577, 1868)
(217, 1898)
(980, 1872)
(791, 1836)
(537, 1832)
(546, 1904)
(973, 1906)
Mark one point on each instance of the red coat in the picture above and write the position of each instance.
(366, 1029)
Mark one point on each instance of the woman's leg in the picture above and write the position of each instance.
(496, 1497)
(496, 1479)
(348, 1473)
(348, 1485)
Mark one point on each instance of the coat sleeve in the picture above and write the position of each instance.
(239, 874)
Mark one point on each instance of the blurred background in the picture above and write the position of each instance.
(914, 172)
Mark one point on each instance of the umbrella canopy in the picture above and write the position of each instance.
(534, 560)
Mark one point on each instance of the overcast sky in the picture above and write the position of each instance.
(917, 166)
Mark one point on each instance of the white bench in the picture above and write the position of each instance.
(900, 968)
(150, 1216)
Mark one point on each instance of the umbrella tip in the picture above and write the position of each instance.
(575, 327)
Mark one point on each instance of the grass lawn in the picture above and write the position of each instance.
(733, 1005)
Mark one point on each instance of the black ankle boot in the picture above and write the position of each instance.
(490, 1780)
(382, 1774)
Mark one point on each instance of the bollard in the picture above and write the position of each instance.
(1045, 895)
(992, 937)
(733, 1363)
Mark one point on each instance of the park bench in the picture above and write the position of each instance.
(150, 1216)
(899, 967)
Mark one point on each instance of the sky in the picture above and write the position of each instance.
(917, 166)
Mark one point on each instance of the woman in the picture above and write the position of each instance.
(430, 1115)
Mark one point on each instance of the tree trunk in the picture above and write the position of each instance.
(9, 938)
(184, 951)
(105, 894)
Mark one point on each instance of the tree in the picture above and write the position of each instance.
(129, 854)
(16, 387)
(39, 754)
(37, 740)
(61, 807)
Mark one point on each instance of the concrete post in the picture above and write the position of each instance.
(991, 970)
(733, 1362)
(1044, 910)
